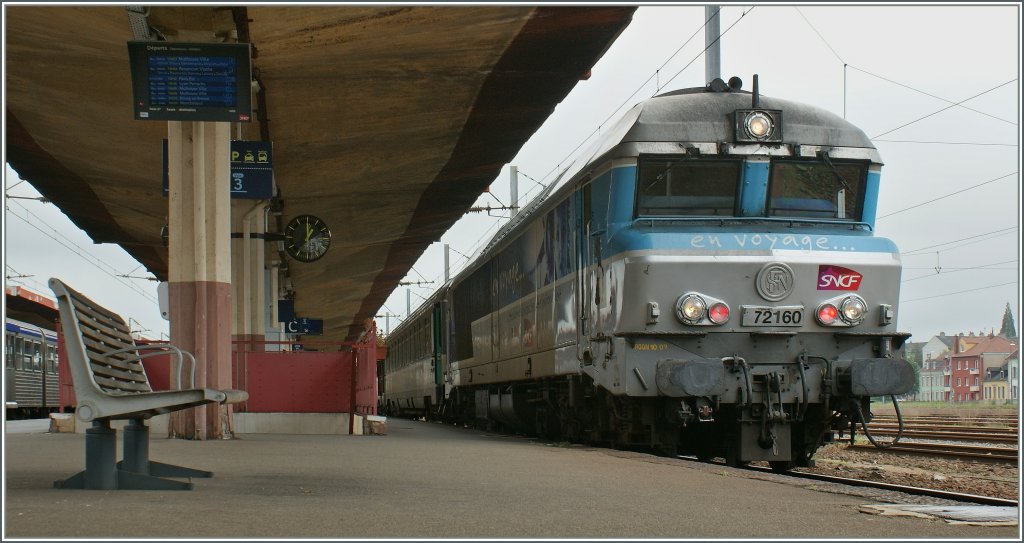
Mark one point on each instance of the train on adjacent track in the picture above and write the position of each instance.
(706, 280)
(31, 378)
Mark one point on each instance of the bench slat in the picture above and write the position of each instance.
(104, 344)
(98, 355)
(98, 313)
(109, 329)
(110, 371)
(125, 386)
(94, 309)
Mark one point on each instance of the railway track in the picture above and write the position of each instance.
(945, 434)
(965, 452)
(912, 490)
(1002, 422)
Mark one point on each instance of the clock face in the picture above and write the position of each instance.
(306, 238)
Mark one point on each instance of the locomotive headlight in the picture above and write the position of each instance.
(853, 309)
(827, 314)
(690, 308)
(758, 125)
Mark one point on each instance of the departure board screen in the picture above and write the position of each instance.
(191, 81)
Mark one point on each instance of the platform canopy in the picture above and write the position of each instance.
(386, 121)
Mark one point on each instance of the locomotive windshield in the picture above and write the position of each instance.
(687, 187)
(818, 189)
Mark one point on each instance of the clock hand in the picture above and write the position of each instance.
(309, 231)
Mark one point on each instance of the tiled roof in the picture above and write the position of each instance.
(992, 344)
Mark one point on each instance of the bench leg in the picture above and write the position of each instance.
(136, 456)
(102, 473)
(100, 454)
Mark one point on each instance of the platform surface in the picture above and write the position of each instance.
(425, 480)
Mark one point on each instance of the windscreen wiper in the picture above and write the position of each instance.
(828, 162)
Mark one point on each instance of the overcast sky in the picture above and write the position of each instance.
(950, 196)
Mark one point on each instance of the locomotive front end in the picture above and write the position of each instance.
(745, 295)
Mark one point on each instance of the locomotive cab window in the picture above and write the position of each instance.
(675, 187)
(826, 189)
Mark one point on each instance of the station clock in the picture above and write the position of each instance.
(306, 238)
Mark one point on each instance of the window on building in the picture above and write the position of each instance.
(959, 381)
(975, 380)
(957, 364)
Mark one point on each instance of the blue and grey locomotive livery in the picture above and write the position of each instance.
(706, 281)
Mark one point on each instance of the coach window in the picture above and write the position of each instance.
(824, 189)
(26, 356)
(51, 360)
(674, 187)
(37, 357)
(19, 347)
(9, 344)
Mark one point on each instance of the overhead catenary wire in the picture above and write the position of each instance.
(946, 271)
(890, 131)
(848, 65)
(1001, 231)
(918, 205)
(959, 104)
(959, 292)
(84, 254)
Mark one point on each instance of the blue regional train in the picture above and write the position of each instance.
(705, 281)
(31, 380)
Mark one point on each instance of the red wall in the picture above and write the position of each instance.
(304, 382)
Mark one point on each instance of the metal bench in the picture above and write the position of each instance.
(111, 384)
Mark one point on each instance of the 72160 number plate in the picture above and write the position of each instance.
(783, 315)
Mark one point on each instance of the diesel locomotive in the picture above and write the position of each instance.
(705, 280)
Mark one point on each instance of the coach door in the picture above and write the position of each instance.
(438, 350)
(592, 238)
(585, 308)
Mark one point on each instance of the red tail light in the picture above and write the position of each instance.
(719, 313)
(827, 314)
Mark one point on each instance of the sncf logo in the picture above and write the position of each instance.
(838, 278)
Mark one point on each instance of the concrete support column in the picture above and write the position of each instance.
(248, 224)
(200, 266)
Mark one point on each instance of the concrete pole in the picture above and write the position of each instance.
(199, 289)
(713, 51)
(446, 261)
(408, 302)
(514, 189)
